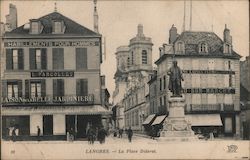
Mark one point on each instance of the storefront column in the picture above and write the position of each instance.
(36, 120)
(59, 124)
(237, 125)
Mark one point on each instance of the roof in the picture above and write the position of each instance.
(72, 28)
(192, 39)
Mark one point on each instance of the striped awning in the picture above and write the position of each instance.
(149, 119)
(158, 120)
(205, 119)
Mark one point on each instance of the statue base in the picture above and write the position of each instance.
(176, 127)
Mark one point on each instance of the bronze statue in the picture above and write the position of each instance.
(175, 78)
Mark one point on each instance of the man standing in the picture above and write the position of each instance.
(175, 78)
(38, 133)
(130, 134)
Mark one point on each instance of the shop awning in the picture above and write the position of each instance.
(81, 110)
(149, 119)
(158, 120)
(205, 119)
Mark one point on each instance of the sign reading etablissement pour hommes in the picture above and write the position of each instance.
(50, 43)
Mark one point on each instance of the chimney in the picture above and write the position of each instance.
(11, 18)
(95, 17)
(172, 34)
(140, 30)
(226, 35)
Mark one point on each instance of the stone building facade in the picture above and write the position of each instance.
(51, 78)
(211, 79)
(134, 65)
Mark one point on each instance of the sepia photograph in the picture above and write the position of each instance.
(124, 79)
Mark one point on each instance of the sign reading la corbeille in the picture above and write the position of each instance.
(52, 74)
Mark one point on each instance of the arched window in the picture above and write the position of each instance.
(203, 48)
(227, 48)
(144, 57)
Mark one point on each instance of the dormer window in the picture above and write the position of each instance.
(35, 26)
(58, 27)
(179, 47)
(227, 48)
(203, 48)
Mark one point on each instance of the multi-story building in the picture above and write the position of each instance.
(52, 78)
(134, 67)
(211, 79)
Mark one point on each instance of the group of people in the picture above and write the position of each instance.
(96, 134)
(13, 131)
(129, 133)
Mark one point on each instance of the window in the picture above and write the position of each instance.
(165, 100)
(228, 126)
(160, 84)
(58, 58)
(164, 82)
(227, 48)
(144, 57)
(82, 87)
(35, 27)
(58, 27)
(35, 89)
(38, 58)
(179, 47)
(81, 58)
(14, 59)
(58, 87)
(12, 90)
(203, 48)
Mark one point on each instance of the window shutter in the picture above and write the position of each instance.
(44, 58)
(81, 58)
(61, 87)
(27, 88)
(4, 88)
(58, 58)
(85, 87)
(20, 59)
(55, 88)
(20, 88)
(32, 58)
(43, 87)
(78, 87)
(9, 59)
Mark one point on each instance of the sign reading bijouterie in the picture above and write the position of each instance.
(50, 43)
(50, 99)
(52, 74)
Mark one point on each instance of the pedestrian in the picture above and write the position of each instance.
(120, 133)
(71, 134)
(102, 135)
(91, 135)
(14, 134)
(38, 133)
(130, 134)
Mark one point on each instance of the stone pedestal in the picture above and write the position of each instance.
(176, 127)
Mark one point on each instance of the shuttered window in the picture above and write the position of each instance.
(81, 87)
(58, 58)
(38, 58)
(58, 87)
(14, 89)
(81, 58)
(14, 59)
(144, 57)
(35, 88)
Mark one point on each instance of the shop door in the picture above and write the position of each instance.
(81, 126)
(47, 125)
(70, 123)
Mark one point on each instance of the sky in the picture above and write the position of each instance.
(118, 21)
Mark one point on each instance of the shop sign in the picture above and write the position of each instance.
(51, 43)
(52, 74)
(50, 99)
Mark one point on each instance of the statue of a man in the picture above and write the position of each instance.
(175, 78)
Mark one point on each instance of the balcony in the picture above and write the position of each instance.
(49, 100)
(208, 108)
